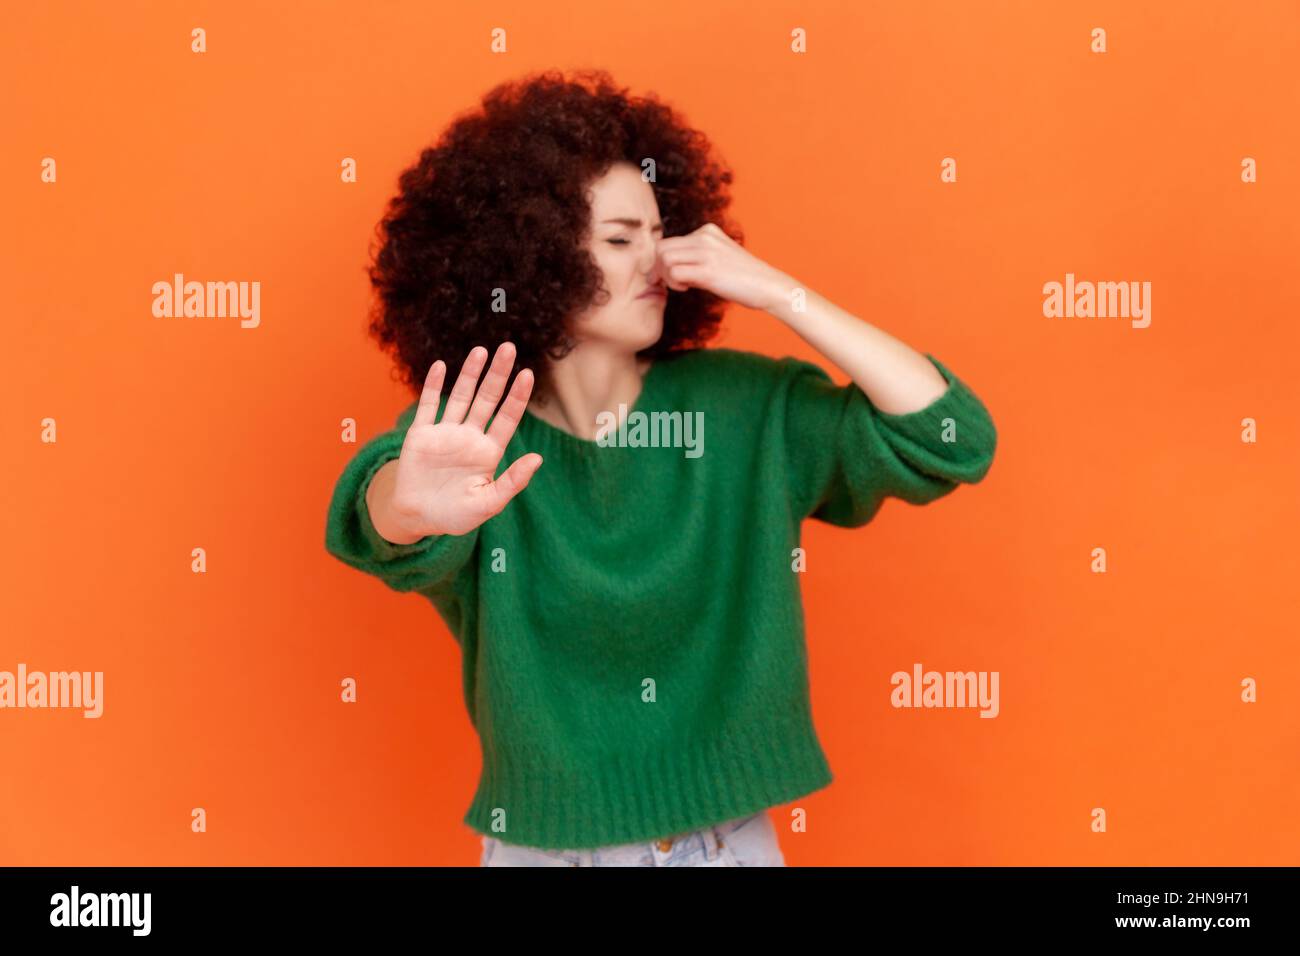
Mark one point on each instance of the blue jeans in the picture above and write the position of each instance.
(744, 841)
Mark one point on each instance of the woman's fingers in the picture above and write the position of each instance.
(514, 480)
(674, 263)
(431, 395)
(512, 409)
(462, 393)
(471, 404)
(493, 386)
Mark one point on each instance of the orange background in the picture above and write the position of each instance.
(1118, 690)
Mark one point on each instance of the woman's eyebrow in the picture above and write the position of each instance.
(634, 223)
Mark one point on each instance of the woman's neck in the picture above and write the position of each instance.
(588, 381)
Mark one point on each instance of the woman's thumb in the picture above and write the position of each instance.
(515, 478)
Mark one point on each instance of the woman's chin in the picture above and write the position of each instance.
(640, 333)
(649, 339)
(643, 335)
(654, 328)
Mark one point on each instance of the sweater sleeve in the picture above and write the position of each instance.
(432, 562)
(846, 456)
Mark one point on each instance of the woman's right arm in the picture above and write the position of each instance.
(379, 503)
(408, 506)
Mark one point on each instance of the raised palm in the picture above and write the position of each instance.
(444, 482)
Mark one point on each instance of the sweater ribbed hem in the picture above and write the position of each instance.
(630, 800)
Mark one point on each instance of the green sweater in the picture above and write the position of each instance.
(630, 626)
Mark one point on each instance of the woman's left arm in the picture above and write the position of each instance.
(907, 427)
(897, 378)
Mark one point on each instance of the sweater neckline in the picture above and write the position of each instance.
(554, 436)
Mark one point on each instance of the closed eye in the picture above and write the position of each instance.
(617, 242)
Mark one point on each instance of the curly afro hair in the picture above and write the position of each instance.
(499, 202)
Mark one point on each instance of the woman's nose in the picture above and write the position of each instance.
(650, 264)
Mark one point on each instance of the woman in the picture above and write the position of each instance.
(625, 597)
